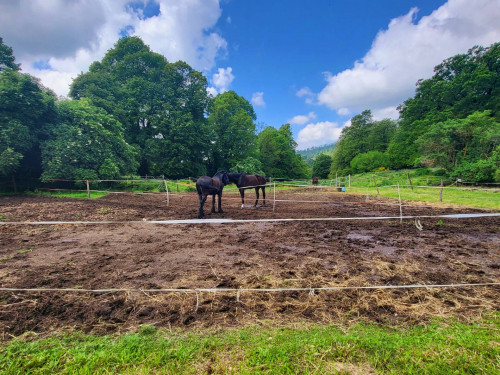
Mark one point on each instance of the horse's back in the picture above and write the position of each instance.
(209, 185)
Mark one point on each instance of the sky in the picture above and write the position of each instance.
(313, 64)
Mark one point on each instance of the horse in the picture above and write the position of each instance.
(315, 180)
(211, 186)
(247, 181)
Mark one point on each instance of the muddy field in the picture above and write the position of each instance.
(137, 254)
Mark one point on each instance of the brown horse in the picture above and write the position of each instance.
(315, 180)
(248, 181)
(206, 186)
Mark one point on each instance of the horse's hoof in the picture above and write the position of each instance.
(242, 205)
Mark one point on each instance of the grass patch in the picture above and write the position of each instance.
(438, 348)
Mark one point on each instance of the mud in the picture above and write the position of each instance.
(301, 254)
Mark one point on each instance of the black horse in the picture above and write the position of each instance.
(248, 181)
(206, 186)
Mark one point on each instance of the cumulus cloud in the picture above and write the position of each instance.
(407, 51)
(302, 119)
(258, 99)
(221, 81)
(69, 35)
(318, 134)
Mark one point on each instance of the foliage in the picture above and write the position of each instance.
(277, 153)
(321, 166)
(161, 105)
(7, 58)
(248, 165)
(362, 136)
(87, 143)
(26, 109)
(232, 131)
(461, 85)
(368, 161)
(436, 348)
(464, 145)
(309, 155)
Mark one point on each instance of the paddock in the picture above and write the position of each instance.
(122, 260)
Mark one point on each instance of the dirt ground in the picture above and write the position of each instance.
(137, 254)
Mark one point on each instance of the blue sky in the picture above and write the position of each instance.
(314, 64)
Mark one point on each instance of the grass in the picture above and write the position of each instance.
(451, 196)
(438, 348)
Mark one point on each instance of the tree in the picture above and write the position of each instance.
(249, 165)
(465, 145)
(277, 153)
(322, 165)
(7, 58)
(461, 85)
(86, 143)
(368, 161)
(232, 131)
(161, 105)
(361, 137)
(26, 108)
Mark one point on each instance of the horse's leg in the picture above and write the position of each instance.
(257, 194)
(264, 195)
(242, 193)
(202, 202)
(220, 204)
(213, 203)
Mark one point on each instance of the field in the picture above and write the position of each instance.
(136, 254)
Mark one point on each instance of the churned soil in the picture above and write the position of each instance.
(133, 253)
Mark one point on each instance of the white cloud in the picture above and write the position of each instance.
(70, 35)
(307, 93)
(221, 81)
(407, 52)
(318, 134)
(258, 99)
(302, 119)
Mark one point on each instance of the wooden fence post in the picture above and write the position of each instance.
(441, 191)
(409, 179)
(400, 207)
(375, 183)
(88, 188)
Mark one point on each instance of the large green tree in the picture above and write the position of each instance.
(277, 153)
(161, 105)
(321, 166)
(7, 58)
(461, 85)
(26, 109)
(86, 143)
(362, 136)
(232, 131)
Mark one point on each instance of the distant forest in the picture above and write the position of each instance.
(310, 154)
(134, 112)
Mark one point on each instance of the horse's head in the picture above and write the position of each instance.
(223, 176)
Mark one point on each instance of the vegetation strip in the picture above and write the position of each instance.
(238, 290)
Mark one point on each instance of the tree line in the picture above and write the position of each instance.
(133, 112)
(452, 124)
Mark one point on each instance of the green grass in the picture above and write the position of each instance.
(451, 196)
(438, 348)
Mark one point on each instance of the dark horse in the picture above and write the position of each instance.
(248, 181)
(206, 186)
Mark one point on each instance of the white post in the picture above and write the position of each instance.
(274, 201)
(400, 207)
(349, 181)
(166, 188)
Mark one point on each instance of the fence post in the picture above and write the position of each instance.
(274, 201)
(88, 188)
(367, 195)
(400, 207)
(409, 179)
(375, 183)
(336, 180)
(441, 191)
(349, 181)
(166, 188)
